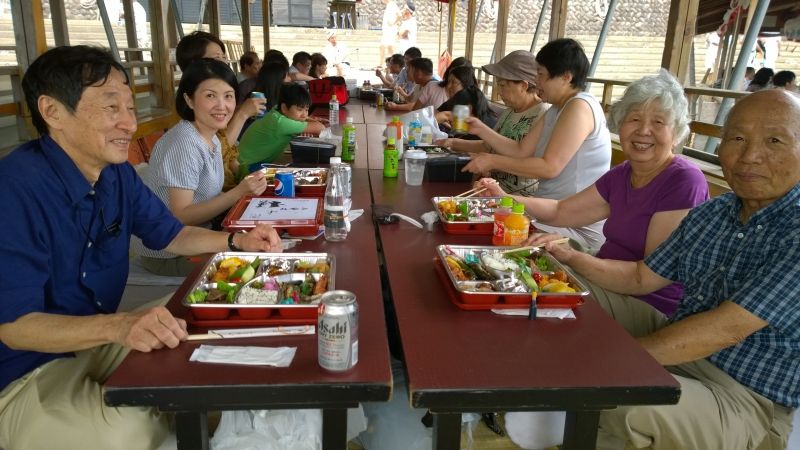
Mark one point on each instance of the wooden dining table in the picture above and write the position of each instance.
(167, 380)
(460, 361)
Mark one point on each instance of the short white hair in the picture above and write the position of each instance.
(663, 88)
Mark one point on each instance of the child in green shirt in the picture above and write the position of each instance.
(266, 138)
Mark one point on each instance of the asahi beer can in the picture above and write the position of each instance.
(337, 331)
(284, 184)
(256, 94)
(460, 114)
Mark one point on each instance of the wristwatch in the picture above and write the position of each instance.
(231, 245)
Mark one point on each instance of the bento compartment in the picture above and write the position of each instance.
(466, 216)
(479, 273)
(291, 281)
(475, 293)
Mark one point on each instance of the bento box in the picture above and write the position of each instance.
(297, 216)
(483, 277)
(308, 182)
(467, 215)
(271, 288)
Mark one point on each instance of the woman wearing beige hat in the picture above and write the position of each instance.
(568, 149)
(515, 78)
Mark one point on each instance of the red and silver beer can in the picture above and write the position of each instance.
(284, 184)
(337, 331)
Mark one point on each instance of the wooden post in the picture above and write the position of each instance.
(680, 31)
(246, 37)
(265, 7)
(162, 73)
(558, 19)
(130, 31)
(59, 17)
(500, 43)
(30, 42)
(213, 19)
(451, 24)
(470, 44)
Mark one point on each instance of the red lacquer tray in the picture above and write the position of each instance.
(294, 226)
(235, 320)
(485, 302)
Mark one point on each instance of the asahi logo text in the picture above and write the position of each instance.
(336, 331)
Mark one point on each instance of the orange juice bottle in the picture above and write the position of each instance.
(516, 226)
(502, 211)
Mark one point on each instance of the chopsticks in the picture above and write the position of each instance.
(534, 247)
(471, 192)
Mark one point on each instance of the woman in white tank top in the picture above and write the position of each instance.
(568, 149)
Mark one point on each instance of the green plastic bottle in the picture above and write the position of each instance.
(390, 157)
(349, 141)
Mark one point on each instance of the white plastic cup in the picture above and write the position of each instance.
(415, 166)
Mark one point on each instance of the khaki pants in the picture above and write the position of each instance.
(714, 412)
(60, 406)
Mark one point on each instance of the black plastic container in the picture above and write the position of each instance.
(311, 151)
(448, 168)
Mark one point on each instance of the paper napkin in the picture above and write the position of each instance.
(245, 355)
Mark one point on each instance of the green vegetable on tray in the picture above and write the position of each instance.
(542, 264)
(198, 296)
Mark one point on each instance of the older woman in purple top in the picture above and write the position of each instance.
(643, 199)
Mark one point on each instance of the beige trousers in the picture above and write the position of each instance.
(714, 412)
(60, 406)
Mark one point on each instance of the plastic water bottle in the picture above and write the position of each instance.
(346, 174)
(335, 216)
(333, 110)
(349, 141)
(412, 131)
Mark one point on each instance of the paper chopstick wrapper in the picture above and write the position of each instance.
(554, 313)
(235, 333)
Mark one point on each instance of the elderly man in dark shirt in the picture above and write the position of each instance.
(71, 204)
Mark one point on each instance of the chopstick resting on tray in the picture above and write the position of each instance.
(471, 192)
(534, 247)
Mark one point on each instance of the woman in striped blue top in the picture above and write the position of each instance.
(186, 168)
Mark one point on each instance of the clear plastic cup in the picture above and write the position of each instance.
(415, 166)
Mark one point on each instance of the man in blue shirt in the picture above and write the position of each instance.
(71, 204)
(734, 342)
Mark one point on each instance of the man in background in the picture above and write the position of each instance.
(336, 54)
(391, 19)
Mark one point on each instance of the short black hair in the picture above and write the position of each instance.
(413, 52)
(565, 55)
(301, 58)
(193, 46)
(293, 94)
(269, 81)
(397, 59)
(424, 65)
(784, 76)
(64, 73)
(201, 70)
(276, 56)
(247, 59)
(762, 76)
(454, 64)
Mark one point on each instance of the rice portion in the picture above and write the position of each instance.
(252, 296)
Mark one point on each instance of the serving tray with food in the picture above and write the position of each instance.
(297, 216)
(474, 215)
(308, 182)
(482, 278)
(239, 288)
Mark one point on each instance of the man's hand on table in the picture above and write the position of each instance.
(262, 238)
(479, 163)
(151, 329)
